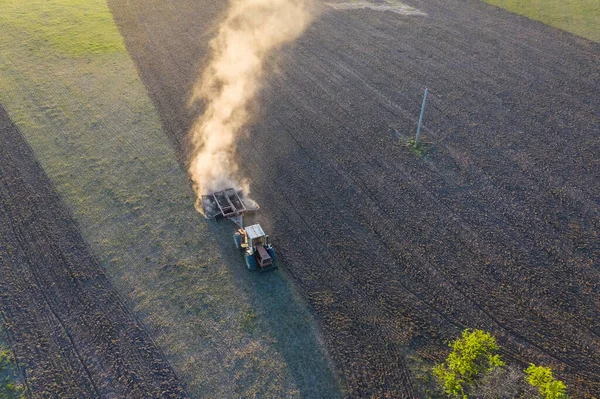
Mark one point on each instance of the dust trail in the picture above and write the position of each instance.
(250, 31)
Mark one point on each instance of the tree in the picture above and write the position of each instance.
(473, 355)
(541, 377)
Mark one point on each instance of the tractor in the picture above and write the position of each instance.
(258, 252)
(233, 205)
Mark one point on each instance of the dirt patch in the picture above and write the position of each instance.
(384, 5)
(72, 335)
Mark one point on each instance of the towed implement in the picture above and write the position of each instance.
(229, 204)
(232, 204)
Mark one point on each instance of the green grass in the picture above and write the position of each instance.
(68, 83)
(580, 17)
(10, 387)
(75, 27)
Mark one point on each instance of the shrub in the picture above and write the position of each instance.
(473, 355)
(541, 377)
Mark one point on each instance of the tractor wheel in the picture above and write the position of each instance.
(271, 252)
(237, 238)
(251, 262)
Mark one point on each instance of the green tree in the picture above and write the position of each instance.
(541, 377)
(473, 355)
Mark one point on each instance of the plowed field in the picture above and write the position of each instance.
(495, 226)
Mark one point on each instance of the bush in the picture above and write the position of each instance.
(473, 355)
(474, 370)
(541, 377)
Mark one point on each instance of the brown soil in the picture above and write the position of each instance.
(495, 226)
(72, 335)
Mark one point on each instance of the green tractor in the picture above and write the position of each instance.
(258, 252)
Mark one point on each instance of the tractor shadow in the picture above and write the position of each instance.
(280, 311)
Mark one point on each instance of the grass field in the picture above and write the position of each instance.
(10, 388)
(75, 27)
(68, 83)
(581, 17)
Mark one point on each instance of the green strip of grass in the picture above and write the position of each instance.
(580, 17)
(74, 92)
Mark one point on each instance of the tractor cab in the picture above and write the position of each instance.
(259, 253)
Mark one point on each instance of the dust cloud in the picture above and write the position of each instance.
(251, 30)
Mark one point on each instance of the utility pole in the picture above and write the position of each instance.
(417, 138)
